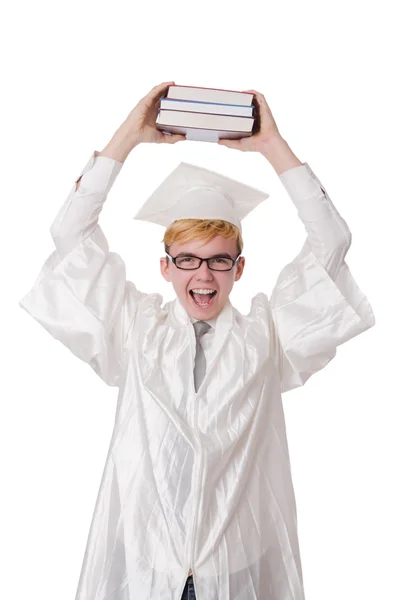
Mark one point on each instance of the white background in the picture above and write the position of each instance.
(71, 74)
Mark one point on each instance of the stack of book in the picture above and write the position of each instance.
(206, 114)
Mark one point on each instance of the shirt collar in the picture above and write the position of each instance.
(211, 322)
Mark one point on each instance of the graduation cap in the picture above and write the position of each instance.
(191, 192)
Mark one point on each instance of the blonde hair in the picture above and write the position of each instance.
(186, 230)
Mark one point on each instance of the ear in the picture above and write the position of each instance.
(239, 268)
(164, 268)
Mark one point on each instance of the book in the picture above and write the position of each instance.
(206, 107)
(201, 94)
(204, 126)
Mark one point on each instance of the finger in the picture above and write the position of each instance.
(178, 138)
(172, 139)
(258, 96)
(162, 85)
(261, 99)
(159, 88)
(157, 92)
(251, 92)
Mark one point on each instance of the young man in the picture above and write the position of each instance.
(196, 495)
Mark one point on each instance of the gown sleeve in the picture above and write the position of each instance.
(316, 304)
(81, 295)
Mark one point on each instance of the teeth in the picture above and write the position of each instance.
(203, 291)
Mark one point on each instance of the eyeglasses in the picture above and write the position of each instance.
(215, 263)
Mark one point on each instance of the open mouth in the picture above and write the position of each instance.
(202, 300)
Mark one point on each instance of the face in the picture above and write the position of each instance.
(184, 281)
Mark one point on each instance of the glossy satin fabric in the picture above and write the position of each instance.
(200, 480)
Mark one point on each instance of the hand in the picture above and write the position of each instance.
(141, 122)
(265, 128)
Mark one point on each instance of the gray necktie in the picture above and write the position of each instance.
(200, 327)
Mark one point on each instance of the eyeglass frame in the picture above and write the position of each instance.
(173, 259)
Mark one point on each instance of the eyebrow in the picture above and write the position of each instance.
(223, 255)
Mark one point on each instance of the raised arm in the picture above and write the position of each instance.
(81, 295)
(316, 304)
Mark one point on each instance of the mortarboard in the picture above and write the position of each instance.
(191, 192)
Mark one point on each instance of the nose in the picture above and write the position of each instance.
(203, 272)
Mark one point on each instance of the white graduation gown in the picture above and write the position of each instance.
(196, 480)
